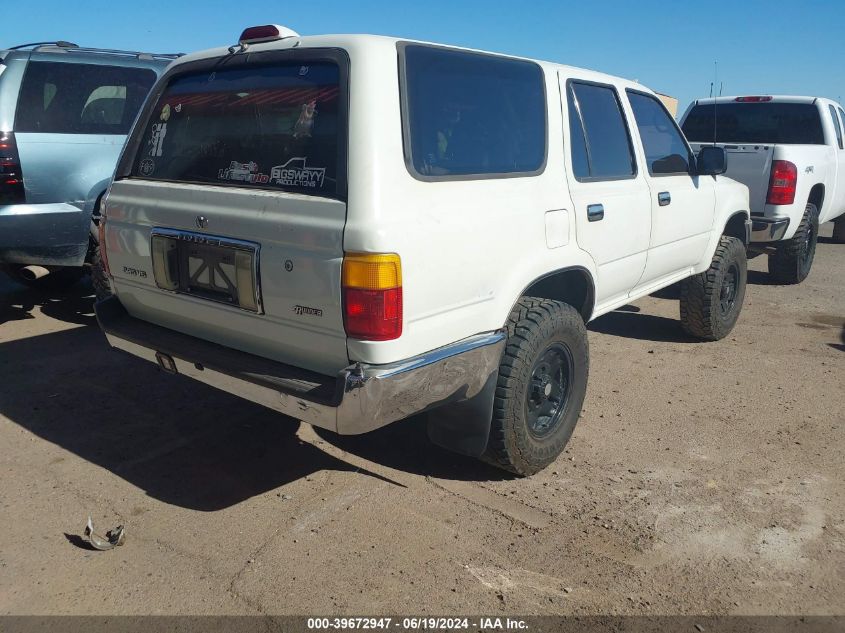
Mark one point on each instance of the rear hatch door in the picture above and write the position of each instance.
(227, 220)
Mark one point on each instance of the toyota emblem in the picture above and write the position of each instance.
(202, 222)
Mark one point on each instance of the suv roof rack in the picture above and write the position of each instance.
(59, 43)
(39, 46)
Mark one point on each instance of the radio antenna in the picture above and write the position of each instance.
(715, 110)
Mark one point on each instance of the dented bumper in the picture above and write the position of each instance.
(359, 399)
(44, 234)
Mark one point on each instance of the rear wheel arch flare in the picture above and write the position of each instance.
(573, 286)
(817, 196)
(735, 227)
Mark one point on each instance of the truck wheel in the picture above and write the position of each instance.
(99, 279)
(711, 301)
(541, 386)
(792, 260)
(839, 230)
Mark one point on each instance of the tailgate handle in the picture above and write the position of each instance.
(664, 198)
(595, 212)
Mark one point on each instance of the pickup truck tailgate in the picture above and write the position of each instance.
(750, 165)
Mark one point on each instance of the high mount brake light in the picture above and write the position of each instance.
(783, 182)
(11, 174)
(372, 296)
(752, 99)
(265, 33)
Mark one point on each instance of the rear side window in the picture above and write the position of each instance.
(268, 127)
(468, 114)
(68, 98)
(600, 145)
(835, 118)
(665, 149)
(767, 122)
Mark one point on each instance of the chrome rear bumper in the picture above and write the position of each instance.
(768, 229)
(359, 399)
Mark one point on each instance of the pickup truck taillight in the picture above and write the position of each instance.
(11, 175)
(372, 296)
(783, 183)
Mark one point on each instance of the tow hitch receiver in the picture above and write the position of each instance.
(166, 362)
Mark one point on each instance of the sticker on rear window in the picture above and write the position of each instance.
(305, 122)
(295, 173)
(165, 113)
(243, 172)
(147, 167)
(159, 131)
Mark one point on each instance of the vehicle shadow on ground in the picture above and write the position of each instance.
(18, 302)
(404, 446)
(180, 441)
(629, 322)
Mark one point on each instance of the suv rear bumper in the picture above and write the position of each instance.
(359, 399)
(768, 229)
(45, 234)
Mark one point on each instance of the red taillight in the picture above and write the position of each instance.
(11, 174)
(752, 99)
(783, 183)
(373, 315)
(372, 296)
(101, 238)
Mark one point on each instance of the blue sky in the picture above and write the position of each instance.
(775, 46)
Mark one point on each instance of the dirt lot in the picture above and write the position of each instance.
(702, 478)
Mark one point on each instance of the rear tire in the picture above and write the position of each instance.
(711, 301)
(792, 260)
(839, 230)
(541, 386)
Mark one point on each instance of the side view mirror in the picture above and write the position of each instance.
(711, 161)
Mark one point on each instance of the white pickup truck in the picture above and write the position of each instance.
(790, 153)
(352, 229)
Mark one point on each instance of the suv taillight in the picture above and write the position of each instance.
(101, 236)
(783, 183)
(372, 296)
(11, 176)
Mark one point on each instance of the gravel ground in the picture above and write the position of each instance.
(703, 478)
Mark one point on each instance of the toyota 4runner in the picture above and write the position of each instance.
(354, 229)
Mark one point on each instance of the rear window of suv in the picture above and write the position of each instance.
(767, 122)
(70, 98)
(267, 127)
(472, 115)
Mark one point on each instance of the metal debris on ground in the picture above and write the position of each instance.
(113, 538)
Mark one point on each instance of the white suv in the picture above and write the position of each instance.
(354, 229)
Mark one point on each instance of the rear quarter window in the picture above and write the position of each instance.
(472, 115)
(70, 98)
(270, 127)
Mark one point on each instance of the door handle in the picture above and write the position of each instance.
(664, 198)
(595, 212)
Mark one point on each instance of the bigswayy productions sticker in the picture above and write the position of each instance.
(295, 173)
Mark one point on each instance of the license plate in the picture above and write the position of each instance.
(213, 268)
